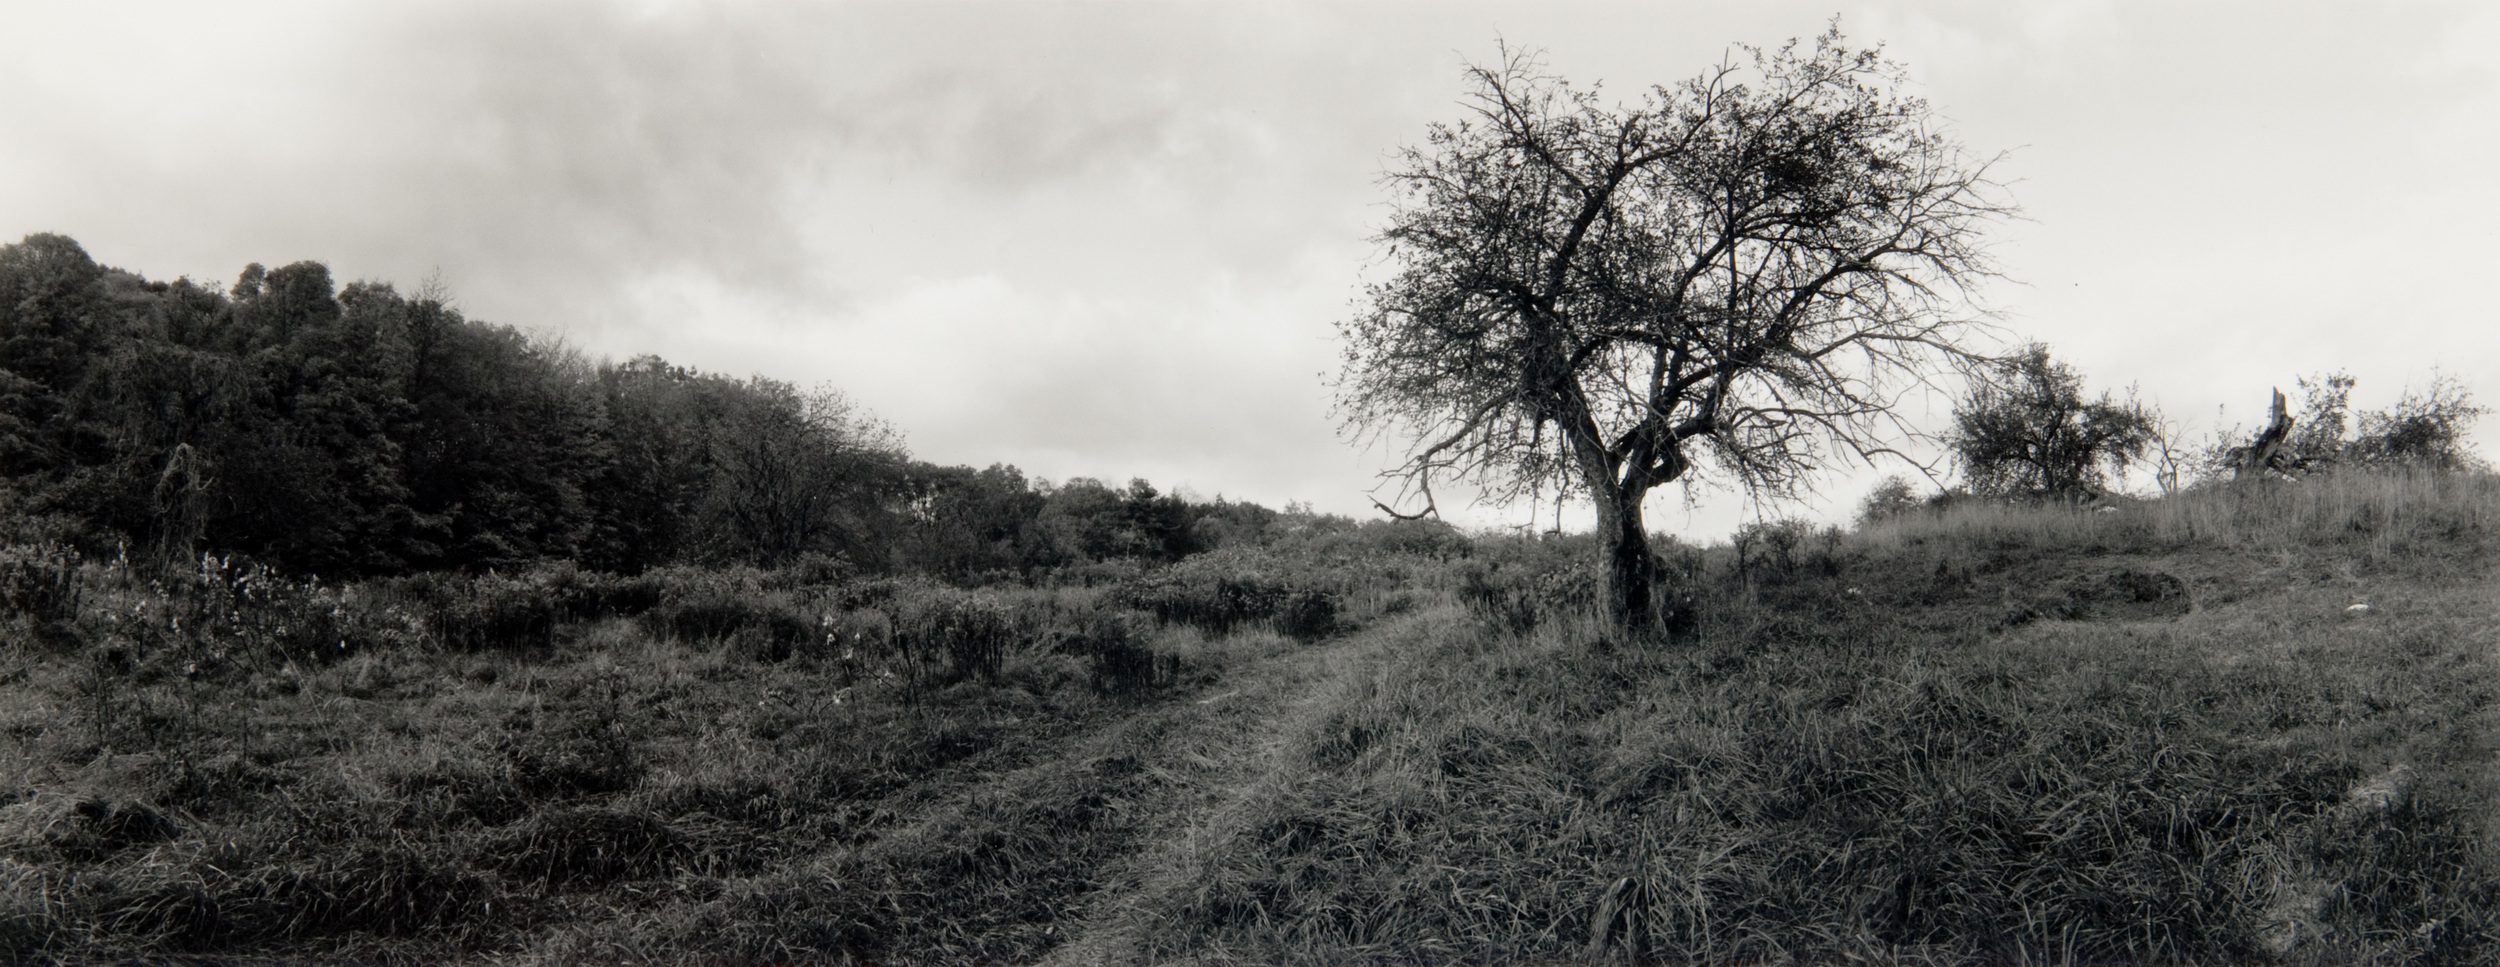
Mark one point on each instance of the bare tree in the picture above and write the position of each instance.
(1741, 272)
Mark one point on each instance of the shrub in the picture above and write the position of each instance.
(1891, 498)
(1306, 614)
(732, 605)
(580, 595)
(1222, 593)
(222, 613)
(1517, 598)
(489, 612)
(1782, 551)
(1120, 654)
(2425, 430)
(957, 634)
(39, 582)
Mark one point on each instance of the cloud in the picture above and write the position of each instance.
(592, 144)
(1108, 239)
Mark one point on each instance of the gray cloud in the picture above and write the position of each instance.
(2221, 199)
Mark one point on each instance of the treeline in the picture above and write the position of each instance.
(362, 431)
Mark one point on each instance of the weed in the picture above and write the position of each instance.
(1336, 743)
(1223, 591)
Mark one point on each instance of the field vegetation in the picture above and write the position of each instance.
(336, 626)
(2238, 724)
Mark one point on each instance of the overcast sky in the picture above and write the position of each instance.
(1112, 240)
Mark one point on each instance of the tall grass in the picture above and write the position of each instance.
(2378, 514)
(1856, 759)
(1989, 734)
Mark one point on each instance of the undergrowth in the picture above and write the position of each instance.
(2235, 725)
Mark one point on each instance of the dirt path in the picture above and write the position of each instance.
(1207, 757)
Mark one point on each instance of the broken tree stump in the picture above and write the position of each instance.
(2264, 452)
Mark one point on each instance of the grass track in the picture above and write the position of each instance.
(1996, 735)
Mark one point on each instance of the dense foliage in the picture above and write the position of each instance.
(2425, 430)
(2033, 432)
(363, 432)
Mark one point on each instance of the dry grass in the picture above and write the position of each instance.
(2374, 517)
(1995, 734)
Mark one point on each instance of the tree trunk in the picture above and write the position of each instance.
(1631, 597)
(2259, 454)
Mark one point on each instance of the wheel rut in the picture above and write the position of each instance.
(1208, 756)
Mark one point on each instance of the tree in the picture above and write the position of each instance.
(50, 328)
(1742, 272)
(1891, 498)
(2426, 429)
(796, 471)
(2032, 432)
(965, 523)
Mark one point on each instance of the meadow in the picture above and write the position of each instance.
(2236, 725)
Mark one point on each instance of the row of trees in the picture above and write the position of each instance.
(363, 431)
(2031, 431)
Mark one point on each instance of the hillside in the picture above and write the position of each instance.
(2163, 733)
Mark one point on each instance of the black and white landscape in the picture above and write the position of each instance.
(1151, 483)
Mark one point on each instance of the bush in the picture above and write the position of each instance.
(224, 613)
(39, 582)
(1306, 614)
(1119, 652)
(2425, 430)
(489, 612)
(954, 634)
(1220, 594)
(733, 605)
(1781, 551)
(580, 595)
(1518, 597)
(1891, 498)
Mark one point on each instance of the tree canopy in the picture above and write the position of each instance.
(2426, 429)
(362, 431)
(2031, 432)
(1738, 275)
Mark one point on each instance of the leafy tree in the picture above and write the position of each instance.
(359, 431)
(793, 472)
(1237, 523)
(1891, 498)
(1738, 273)
(309, 474)
(965, 523)
(504, 440)
(51, 330)
(174, 400)
(1085, 519)
(2032, 433)
(2316, 440)
(2425, 429)
(644, 490)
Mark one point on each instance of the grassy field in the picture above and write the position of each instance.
(2164, 733)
